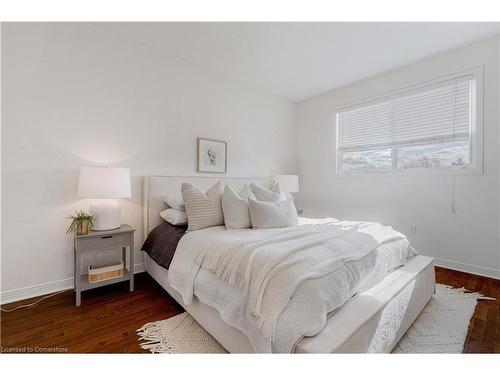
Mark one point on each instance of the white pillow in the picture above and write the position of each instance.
(246, 193)
(175, 201)
(276, 187)
(272, 214)
(203, 210)
(267, 195)
(235, 207)
(174, 217)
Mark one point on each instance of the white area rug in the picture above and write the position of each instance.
(443, 324)
(440, 328)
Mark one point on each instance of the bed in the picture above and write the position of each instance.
(373, 320)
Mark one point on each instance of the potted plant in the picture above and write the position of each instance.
(81, 223)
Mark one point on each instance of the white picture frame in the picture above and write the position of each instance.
(211, 155)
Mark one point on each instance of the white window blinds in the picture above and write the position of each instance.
(432, 113)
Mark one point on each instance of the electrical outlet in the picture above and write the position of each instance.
(412, 229)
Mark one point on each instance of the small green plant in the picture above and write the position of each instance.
(81, 222)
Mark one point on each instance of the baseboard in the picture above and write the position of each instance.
(36, 290)
(47, 288)
(138, 268)
(468, 268)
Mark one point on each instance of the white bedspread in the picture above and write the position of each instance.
(278, 285)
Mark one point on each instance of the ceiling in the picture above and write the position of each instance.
(300, 60)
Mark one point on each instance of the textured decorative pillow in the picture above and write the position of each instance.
(235, 207)
(174, 217)
(272, 214)
(203, 209)
(175, 201)
(267, 195)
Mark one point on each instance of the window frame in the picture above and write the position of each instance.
(476, 130)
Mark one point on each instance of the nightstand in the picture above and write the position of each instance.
(101, 241)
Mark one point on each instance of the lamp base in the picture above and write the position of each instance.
(107, 214)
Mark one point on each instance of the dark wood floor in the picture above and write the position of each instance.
(109, 316)
(105, 322)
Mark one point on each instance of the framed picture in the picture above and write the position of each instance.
(211, 156)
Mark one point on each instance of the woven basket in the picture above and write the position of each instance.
(101, 273)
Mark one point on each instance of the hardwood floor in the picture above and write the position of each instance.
(105, 322)
(109, 316)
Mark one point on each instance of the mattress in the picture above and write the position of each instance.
(372, 321)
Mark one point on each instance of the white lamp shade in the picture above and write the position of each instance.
(104, 183)
(289, 182)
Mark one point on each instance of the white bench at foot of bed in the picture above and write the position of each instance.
(374, 321)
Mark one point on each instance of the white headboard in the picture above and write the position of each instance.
(155, 188)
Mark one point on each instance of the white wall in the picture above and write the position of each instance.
(75, 95)
(468, 239)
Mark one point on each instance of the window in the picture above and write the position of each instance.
(432, 127)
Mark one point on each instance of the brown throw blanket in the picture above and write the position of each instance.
(162, 243)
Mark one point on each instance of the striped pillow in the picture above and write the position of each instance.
(203, 209)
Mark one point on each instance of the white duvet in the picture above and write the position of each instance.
(278, 285)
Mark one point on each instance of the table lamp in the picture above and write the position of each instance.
(289, 182)
(104, 184)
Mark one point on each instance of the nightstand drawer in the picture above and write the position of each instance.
(105, 241)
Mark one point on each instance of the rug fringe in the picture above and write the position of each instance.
(483, 298)
(166, 336)
(154, 340)
(463, 290)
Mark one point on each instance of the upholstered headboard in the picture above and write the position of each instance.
(155, 188)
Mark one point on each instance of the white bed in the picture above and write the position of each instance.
(372, 321)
